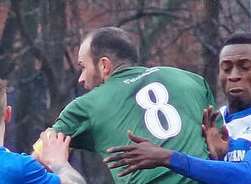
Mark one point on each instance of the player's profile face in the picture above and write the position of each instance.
(90, 75)
(235, 72)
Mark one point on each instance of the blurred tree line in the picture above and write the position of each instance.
(40, 39)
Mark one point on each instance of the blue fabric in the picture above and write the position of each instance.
(237, 149)
(211, 171)
(236, 169)
(239, 128)
(241, 114)
(23, 169)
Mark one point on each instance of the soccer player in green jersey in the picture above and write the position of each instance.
(231, 148)
(163, 104)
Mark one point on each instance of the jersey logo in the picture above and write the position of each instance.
(154, 99)
(235, 156)
(147, 72)
(247, 131)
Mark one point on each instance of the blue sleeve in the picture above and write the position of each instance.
(211, 171)
(35, 173)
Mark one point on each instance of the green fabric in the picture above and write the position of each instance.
(107, 112)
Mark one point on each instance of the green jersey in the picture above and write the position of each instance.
(162, 104)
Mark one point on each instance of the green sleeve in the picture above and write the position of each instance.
(74, 119)
(211, 100)
(210, 96)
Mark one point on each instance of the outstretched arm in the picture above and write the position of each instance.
(54, 155)
(211, 171)
(144, 155)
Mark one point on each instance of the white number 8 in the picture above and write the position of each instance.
(152, 121)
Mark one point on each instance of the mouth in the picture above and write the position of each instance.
(235, 91)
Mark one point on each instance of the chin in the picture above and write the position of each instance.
(87, 88)
(237, 101)
(234, 97)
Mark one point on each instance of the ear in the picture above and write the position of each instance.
(105, 67)
(8, 114)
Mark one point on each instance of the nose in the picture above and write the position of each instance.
(235, 75)
(81, 79)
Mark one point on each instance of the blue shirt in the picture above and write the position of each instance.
(21, 169)
(239, 129)
(236, 169)
(212, 171)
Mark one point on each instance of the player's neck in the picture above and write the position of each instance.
(120, 67)
(233, 108)
(2, 131)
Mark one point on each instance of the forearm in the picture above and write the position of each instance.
(209, 171)
(67, 174)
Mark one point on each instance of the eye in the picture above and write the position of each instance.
(226, 67)
(81, 65)
(246, 66)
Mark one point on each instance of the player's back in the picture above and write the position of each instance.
(162, 104)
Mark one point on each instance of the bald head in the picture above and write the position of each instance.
(102, 52)
(112, 42)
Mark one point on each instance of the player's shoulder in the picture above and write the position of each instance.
(15, 159)
(11, 170)
(7, 156)
(90, 96)
(13, 165)
(183, 75)
(180, 71)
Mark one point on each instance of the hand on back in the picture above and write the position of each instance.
(55, 149)
(140, 155)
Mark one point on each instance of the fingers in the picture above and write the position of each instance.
(208, 121)
(114, 157)
(203, 130)
(122, 162)
(122, 159)
(133, 167)
(121, 149)
(213, 117)
(44, 138)
(136, 139)
(224, 133)
(133, 138)
(60, 137)
(205, 117)
(128, 170)
(209, 117)
(67, 141)
(48, 137)
(47, 134)
(51, 135)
